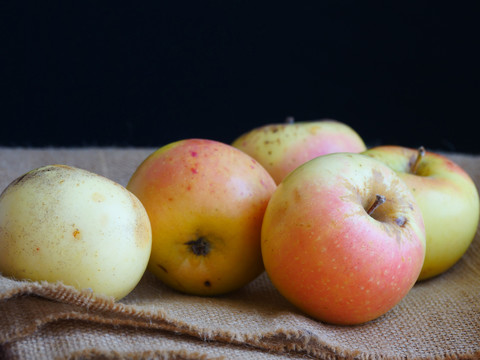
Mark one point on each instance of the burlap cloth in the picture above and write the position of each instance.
(439, 318)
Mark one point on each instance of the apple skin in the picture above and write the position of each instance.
(280, 148)
(326, 255)
(60, 223)
(448, 199)
(206, 202)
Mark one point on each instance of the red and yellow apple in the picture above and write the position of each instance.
(447, 197)
(206, 202)
(280, 148)
(343, 238)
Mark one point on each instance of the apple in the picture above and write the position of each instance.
(205, 201)
(280, 148)
(447, 197)
(343, 238)
(59, 223)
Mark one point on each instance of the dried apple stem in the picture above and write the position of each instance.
(420, 155)
(379, 200)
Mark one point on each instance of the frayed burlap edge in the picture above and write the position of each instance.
(160, 355)
(105, 311)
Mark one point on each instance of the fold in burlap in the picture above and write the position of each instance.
(438, 319)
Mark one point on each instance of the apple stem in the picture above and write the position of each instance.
(420, 155)
(379, 200)
(289, 120)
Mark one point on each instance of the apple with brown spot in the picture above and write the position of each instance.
(280, 148)
(59, 223)
(205, 201)
(343, 238)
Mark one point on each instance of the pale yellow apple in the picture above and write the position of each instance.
(63, 224)
(447, 197)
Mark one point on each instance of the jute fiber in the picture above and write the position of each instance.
(438, 319)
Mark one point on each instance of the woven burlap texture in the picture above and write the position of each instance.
(438, 319)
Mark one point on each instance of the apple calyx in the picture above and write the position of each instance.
(401, 221)
(379, 200)
(200, 247)
(415, 161)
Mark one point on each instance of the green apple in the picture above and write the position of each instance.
(447, 197)
(343, 238)
(280, 148)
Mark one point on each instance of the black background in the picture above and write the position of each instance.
(147, 73)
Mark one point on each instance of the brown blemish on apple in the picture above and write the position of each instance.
(76, 234)
(142, 234)
(21, 179)
(315, 129)
(401, 220)
(163, 268)
(274, 128)
(207, 283)
(34, 173)
(97, 197)
(142, 228)
(200, 246)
